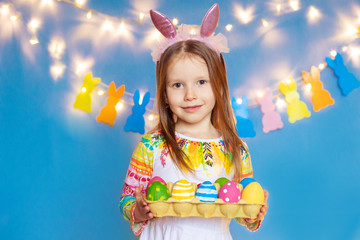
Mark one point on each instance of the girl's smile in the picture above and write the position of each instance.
(192, 108)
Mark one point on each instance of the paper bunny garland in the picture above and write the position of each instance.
(320, 98)
(136, 121)
(296, 109)
(83, 99)
(346, 81)
(271, 119)
(108, 112)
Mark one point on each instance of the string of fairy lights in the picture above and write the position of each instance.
(121, 26)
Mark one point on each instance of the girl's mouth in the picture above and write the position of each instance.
(192, 108)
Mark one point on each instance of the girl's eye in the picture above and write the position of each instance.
(177, 85)
(201, 82)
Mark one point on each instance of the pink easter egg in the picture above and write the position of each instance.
(230, 192)
(156, 178)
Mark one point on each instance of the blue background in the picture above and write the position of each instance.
(62, 173)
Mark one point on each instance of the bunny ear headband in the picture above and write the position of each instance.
(203, 33)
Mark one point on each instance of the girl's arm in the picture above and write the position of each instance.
(247, 172)
(139, 173)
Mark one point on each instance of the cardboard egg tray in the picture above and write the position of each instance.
(195, 208)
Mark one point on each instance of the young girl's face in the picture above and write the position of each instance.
(189, 92)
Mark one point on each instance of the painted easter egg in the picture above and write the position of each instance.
(221, 181)
(230, 192)
(183, 191)
(156, 178)
(157, 191)
(253, 193)
(206, 192)
(246, 181)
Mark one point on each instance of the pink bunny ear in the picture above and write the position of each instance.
(210, 21)
(163, 24)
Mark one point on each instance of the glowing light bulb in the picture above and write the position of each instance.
(344, 48)
(294, 4)
(260, 94)
(313, 14)
(34, 24)
(155, 35)
(80, 2)
(175, 21)
(34, 40)
(280, 103)
(89, 14)
(83, 89)
(14, 18)
(264, 22)
(333, 53)
(107, 26)
(308, 87)
(321, 66)
(151, 117)
(355, 52)
(245, 17)
(278, 8)
(229, 27)
(288, 81)
(56, 48)
(119, 106)
(47, 2)
(100, 92)
(5, 9)
(239, 101)
(121, 29)
(141, 16)
(192, 32)
(57, 70)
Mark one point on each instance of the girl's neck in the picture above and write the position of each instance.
(196, 131)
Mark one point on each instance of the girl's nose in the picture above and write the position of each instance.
(190, 94)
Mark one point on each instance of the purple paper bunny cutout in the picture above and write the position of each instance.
(271, 119)
(136, 121)
(346, 81)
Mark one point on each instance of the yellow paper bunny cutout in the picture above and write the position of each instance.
(296, 109)
(83, 99)
(320, 98)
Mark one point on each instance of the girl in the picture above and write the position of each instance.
(195, 138)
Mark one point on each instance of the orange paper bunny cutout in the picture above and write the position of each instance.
(108, 112)
(320, 98)
(297, 109)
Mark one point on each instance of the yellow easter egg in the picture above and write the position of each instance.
(183, 191)
(253, 193)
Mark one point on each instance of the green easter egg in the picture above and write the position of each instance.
(222, 181)
(157, 191)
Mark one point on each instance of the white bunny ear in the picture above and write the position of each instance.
(210, 21)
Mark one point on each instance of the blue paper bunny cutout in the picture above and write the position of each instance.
(244, 126)
(346, 81)
(136, 121)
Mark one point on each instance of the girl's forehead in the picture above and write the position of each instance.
(186, 56)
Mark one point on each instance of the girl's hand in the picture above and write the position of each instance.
(142, 209)
(263, 210)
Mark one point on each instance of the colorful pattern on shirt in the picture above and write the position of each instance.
(201, 154)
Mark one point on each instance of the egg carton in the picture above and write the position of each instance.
(195, 208)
